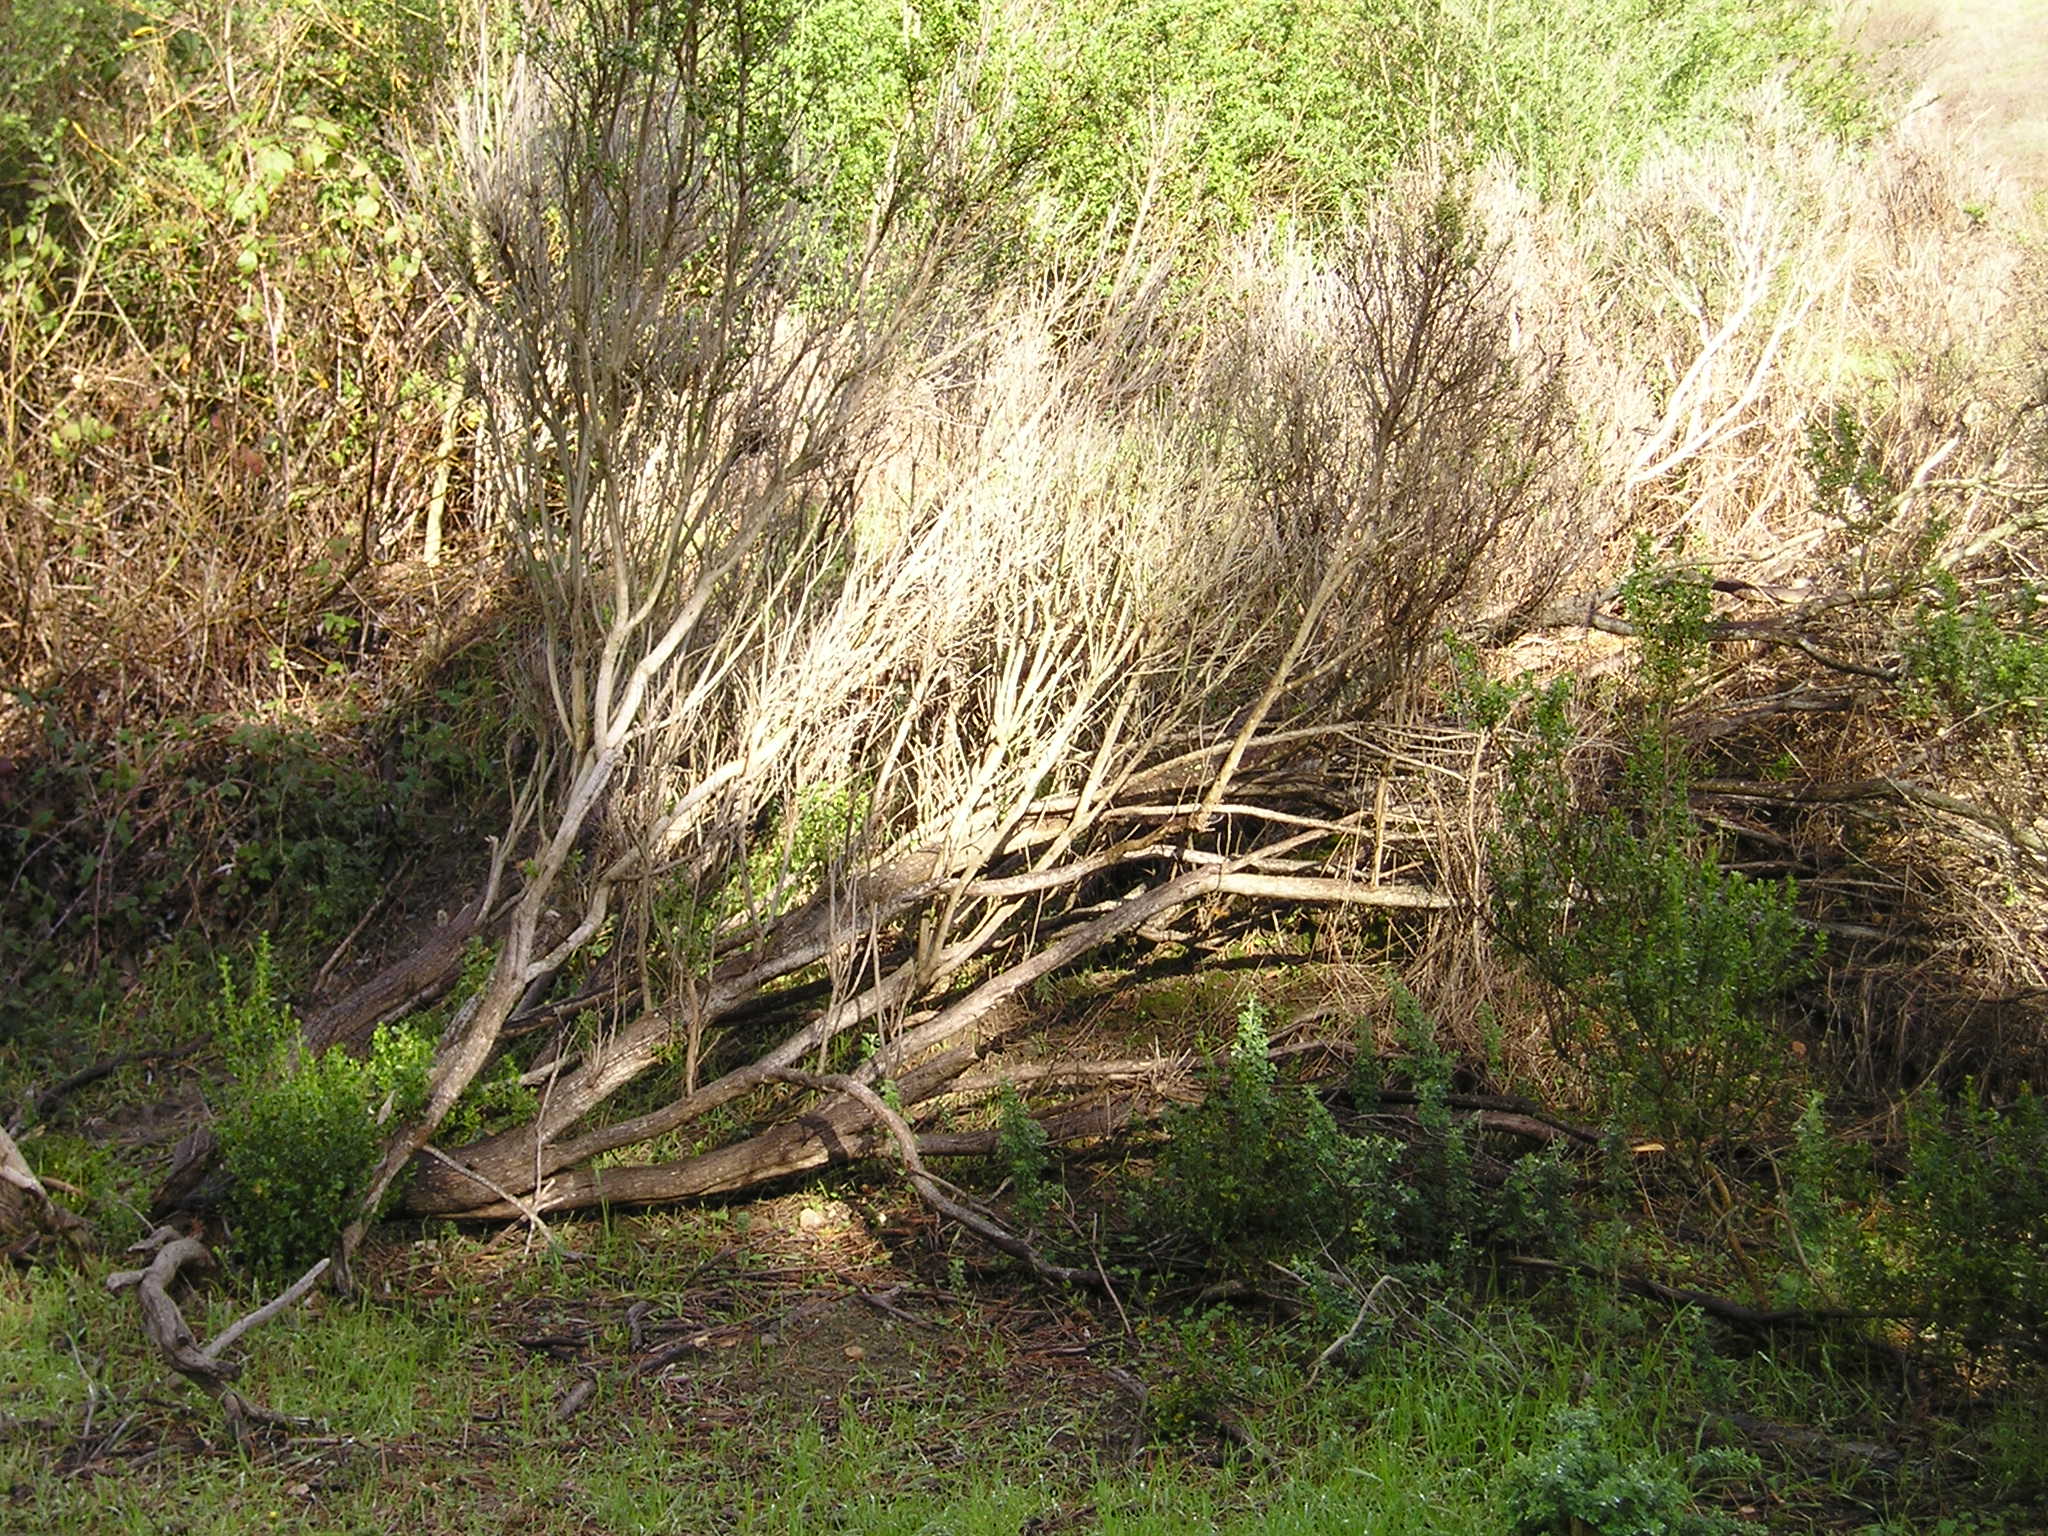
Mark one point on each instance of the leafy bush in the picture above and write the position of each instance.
(1215, 1367)
(854, 70)
(1825, 1195)
(1248, 106)
(1578, 1484)
(109, 841)
(1444, 1215)
(1981, 656)
(1850, 481)
(1954, 1242)
(1968, 1241)
(190, 558)
(1672, 967)
(1020, 1151)
(1259, 1168)
(1215, 112)
(300, 1132)
(54, 56)
(777, 872)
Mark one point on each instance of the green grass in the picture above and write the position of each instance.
(434, 1418)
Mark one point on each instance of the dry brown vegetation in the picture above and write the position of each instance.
(1445, 717)
(893, 638)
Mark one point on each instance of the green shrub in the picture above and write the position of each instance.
(1968, 1234)
(1215, 1366)
(1850, 481)
(1578, 1484)
(1674, 966)
(855, 70)
(1243, 108)
(1256, 1168)
(1020, 1152)
(1982, 657)
(1957, 1242)
(300, 1132)
(1440, 1215)
(1673, 969)
(1261, 1170)
(1257, 106)
(56, 57)
(298, 1148)
(111, 837)
(776, 873)
(1825, 1195)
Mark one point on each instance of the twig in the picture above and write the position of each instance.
(880, 1301)
(2019, 838)
(576, 1399)
(267, 1311)
(25, 1200)
(1140, 1395)
(1344, 1340)
(540, 1142)
(530, 1211)
(1109, 1290)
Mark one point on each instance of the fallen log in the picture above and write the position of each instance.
(411, 982)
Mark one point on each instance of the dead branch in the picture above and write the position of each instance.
(191, 1161)
(1586, 613)
(835, 1133)
(1344, 1340)
(26, 1204)
(1088, 1122)
(166, 1327)
(267, 1311)
(939, 1196)
(508, 1160)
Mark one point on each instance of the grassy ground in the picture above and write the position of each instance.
(834, 1359)
(816, 1363)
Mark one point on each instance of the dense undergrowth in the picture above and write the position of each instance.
(1579, 471)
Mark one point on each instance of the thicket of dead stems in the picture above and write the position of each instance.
(917, 615)
(1848, 345)
(896, 638)
(1068, 611)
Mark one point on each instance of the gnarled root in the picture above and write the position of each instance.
(202, 1365)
